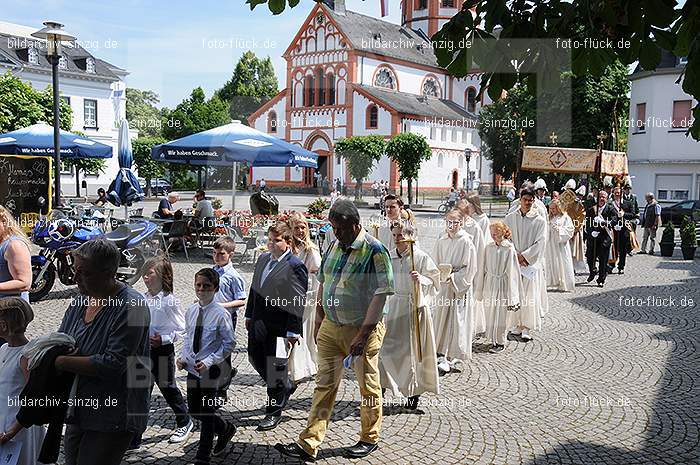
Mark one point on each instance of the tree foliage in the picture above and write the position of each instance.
(147, 167)
(630, 31)
(253, 83)
(361, 154)
(21, 105)
(195, 114)
(142, 113)
(408, 150)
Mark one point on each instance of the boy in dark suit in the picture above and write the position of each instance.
(599, 221)
(274, 318)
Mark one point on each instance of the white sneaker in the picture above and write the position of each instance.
(181, 434)
(444, 366)
(525, 335)
(515, 332)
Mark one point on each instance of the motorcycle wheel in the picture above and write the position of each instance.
(442, 209)
(134, 260)
(40, 289)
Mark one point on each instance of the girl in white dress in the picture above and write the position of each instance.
(455, 256)
(15, 315)
(497, 284)
(302, 362)
(559, 266)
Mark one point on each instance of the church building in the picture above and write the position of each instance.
(349, 74)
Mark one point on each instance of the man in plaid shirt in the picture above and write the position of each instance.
(356, 278)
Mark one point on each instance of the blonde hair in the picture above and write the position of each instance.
(408, 215)
(502, 229)
(462, 207)
(306, 243)
(556, 204)
(10, 227)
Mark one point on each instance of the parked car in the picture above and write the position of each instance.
(676, 212)
(159, 186)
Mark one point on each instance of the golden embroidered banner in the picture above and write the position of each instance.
(559, 159)
(613, 163)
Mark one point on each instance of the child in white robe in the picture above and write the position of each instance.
(497, 285)
(477, 234)
(400, 367)
(455, 256)
(559, 264)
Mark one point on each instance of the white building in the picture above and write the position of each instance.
(350, 74)
(86, 83)
(662, 159)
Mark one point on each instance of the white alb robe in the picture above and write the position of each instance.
(399, 367)
(454, 303)
(529, 238)
(485, 224)
(477, 235)
(302, 360)
(385, 236)
(538, 205)
(497, 285)
(559, 264)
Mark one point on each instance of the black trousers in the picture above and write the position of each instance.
(82, 447)
(597, 251)
(273, 370)
(623, 245)
(204, 401)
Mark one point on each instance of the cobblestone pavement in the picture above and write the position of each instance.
(611, 379)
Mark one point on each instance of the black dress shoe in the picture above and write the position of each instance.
(269, 422)
(361, 449)
(600, 284)
(620, 271)
(224, 438)
(591, 277)
(294, 450)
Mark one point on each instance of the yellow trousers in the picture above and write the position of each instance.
(333, 346)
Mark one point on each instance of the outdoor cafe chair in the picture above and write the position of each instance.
(176, 234)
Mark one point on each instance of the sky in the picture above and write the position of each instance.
(171, 47)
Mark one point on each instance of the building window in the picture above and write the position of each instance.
(471, 100)
(421, 4)
(453, 135)
(62, 63)
(443, 135)
(441, 160)
(90, 113)
(430, 88)
(321, 87)
(671, 194)
(641, 117)
(309, 91)
(681, 113)
(448, 3)
(90, 65)
(460, 161)
(65, 99)
(330, 87)
(385, 78)
(372, 119)
(33, 56)
(272, 122)
(433, 133)
(465, 136)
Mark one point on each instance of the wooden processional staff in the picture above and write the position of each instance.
(416, 294)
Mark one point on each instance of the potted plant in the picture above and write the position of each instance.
(668, 242)
(689, 239)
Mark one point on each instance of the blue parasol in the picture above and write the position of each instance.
(125, 189)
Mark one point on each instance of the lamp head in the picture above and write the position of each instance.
(53, 34)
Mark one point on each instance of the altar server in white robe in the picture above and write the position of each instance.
(529, 231)
(497, 284)
(539, 206)
(393, 205)
(455, 256)
(399, 365)
(559, 263)
(478, 214)
(477, 235)
(302, 360)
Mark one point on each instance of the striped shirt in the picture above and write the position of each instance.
(351, 277)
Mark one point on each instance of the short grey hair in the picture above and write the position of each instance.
(344, 211)
(174, 195)
(104, 256)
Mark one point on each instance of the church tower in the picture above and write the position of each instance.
(428, 15)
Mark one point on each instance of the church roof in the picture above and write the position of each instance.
(413, 104)
(373, 35)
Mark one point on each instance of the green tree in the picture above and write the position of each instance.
(147, 167)
(253, 83)
(361, 154)
(408, 150)
(142, 113)
(636, 31)
(21, 105)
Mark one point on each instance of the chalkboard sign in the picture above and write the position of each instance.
(23, 181)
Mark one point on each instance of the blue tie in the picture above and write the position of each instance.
(268, 269)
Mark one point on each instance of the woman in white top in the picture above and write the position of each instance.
(559, 265)
(15, 315)
(302, 362)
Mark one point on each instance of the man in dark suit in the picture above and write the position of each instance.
(599, 221)
(624, 216)
(274, 318)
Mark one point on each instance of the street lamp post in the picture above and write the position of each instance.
(468, 156)
(54, 34)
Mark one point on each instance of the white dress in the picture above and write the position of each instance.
(559, 263)
(11, 384)
(477, 234)
(497, 285)
(302, 360)
(399, 367)
(530, 239)
(454, 303)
